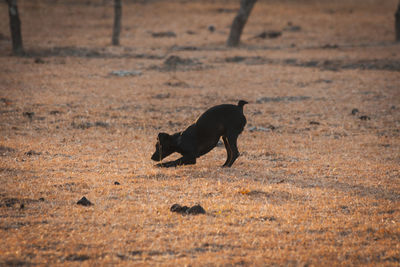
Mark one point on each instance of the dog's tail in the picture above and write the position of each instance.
(241, 103)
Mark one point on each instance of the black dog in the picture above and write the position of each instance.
(199, 138)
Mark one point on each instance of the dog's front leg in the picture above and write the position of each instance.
(185, 160)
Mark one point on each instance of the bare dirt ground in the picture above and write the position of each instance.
(316, 183)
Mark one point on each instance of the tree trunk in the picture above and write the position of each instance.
(117, 21)
(397, 23)
(239, 21)
(15, 27)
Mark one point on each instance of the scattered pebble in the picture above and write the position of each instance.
(84, 202)
(116, 183)
(197, 209)
(268, 34)
(167, 34)
(330, 46)
(314, 123)
(28, 114)
(162, 96)
(211, 28)
(39, 61)
(185, 210)
(55, 112)
(364, 118)
(354, 111)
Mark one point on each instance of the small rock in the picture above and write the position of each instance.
(39, 61)
(354, 111)
(55, 112)
(102, 124)
(28, 114)
(84, 202)
(167, 34)
(364, 118)
(116, 183)
(235, 59)
(268, 34)
(211, 28)
(41, 199)
(179, 209)
(22, 206)
(185, 210)
(162, 96)
(314, 123)
(330, 46)
(197, 209)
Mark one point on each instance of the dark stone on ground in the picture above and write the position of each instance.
(268, 34)
(235, 59)
(179, 209)
(55, 112)
(185, 210)
(102, 124)
(330, 46)
(314, 123)
(28, 114)
(84, 202)
(364, 118)
(39, 61)
(354, 111)
(197, 209)
(75, 257)
(168, 34)
(116, 183)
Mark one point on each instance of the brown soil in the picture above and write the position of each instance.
(318, 177)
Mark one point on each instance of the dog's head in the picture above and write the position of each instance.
(164, 147)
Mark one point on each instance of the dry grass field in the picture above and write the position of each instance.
(315, 184)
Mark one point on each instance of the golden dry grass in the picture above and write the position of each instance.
(301, 194)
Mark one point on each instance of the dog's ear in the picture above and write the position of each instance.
(163, 136)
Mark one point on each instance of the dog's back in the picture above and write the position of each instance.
(221, 120)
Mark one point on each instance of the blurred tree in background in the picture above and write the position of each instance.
(117, 22)
(239, 22)
(397, 22)
(15, 27)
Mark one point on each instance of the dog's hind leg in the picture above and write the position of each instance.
(232, 142)
(228, 151)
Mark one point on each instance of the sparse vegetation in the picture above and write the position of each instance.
(315, 184)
